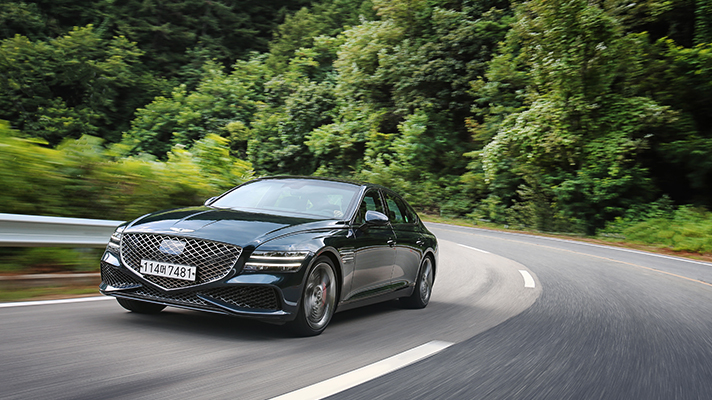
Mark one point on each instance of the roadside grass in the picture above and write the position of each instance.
(47, 293)
(687, 233)
(33, 260)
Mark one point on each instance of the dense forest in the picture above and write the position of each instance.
(555, 115)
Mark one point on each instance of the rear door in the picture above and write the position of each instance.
(409, 241)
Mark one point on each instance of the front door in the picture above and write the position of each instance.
(374, 251)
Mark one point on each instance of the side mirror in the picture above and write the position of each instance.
(376, 218)
(210, 200)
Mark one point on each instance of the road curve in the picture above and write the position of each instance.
(610, 324)
(599, 323)
(96, 349)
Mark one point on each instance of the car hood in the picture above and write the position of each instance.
(240, 228)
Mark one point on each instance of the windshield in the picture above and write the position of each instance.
(323, 199)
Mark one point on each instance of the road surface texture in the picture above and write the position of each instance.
(598, 323)
(610, 324)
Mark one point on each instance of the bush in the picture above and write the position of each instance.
(83, 179)
(687, 228)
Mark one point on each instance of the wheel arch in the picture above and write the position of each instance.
(332, 254)
(434, 259)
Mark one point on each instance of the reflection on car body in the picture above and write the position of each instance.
(283, 249)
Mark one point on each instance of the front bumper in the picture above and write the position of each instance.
(256, 296)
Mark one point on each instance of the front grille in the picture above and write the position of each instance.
(213, 260)
(252, 297)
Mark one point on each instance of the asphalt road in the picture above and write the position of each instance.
(600, 323)
(610, 324)
(98, 350)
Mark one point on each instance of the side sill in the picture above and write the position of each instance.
(404, 292)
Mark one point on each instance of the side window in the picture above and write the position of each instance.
(398, 213)
(410, 216)
(371, 202)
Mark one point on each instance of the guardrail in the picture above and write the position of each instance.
(18, 230)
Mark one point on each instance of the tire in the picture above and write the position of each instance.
(318, 300)
(423, 286)
(140, 307)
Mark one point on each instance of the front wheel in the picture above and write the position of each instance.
(140, 307)
(318, 299)
(423, 286)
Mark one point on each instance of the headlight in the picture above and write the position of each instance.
(275, 261)
(115, 241)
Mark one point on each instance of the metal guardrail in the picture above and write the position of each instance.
(18, 230)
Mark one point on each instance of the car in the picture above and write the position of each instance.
(286, 250)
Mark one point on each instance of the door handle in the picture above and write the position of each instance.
(391, 242)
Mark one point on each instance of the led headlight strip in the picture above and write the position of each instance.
(275, 261)
(115, 241)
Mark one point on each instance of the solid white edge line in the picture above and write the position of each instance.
(45, 302)
(356, 377)
(474, 248)
(528, 279)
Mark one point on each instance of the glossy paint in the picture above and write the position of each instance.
(374, 261)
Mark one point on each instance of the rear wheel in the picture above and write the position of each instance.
(140, 307)
(318, 299)
(423, 286)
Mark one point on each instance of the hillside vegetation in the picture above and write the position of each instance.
(572, 116)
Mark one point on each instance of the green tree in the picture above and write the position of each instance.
(582, 130)
(71, 86)
(184, 117)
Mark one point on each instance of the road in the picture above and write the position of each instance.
(598, 323)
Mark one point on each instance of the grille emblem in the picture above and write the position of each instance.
(173, 247)
(182, 230)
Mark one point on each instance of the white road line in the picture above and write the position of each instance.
(647, 253)
(528, 279)
(45, 302)
(348, 380)
(473, 248)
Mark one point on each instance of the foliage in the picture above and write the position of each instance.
(74, 85)
(555, 115)
(81, 179)
(171, 33)
(685, 229)
(583, 129)
(49, 259)
(219, 100)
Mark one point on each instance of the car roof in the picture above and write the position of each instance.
(323, 178)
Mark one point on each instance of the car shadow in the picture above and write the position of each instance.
(219, 326)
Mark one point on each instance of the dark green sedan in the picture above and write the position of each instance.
(286, 250)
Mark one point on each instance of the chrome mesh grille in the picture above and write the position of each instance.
(213, 260)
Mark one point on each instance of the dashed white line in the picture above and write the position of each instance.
(528, 279)
(45, 302)
(474, 248)
(348, 380)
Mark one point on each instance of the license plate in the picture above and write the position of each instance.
(184, 272)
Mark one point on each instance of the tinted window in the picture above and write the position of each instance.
(323, 199)
(371, 202)
(398, 212)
